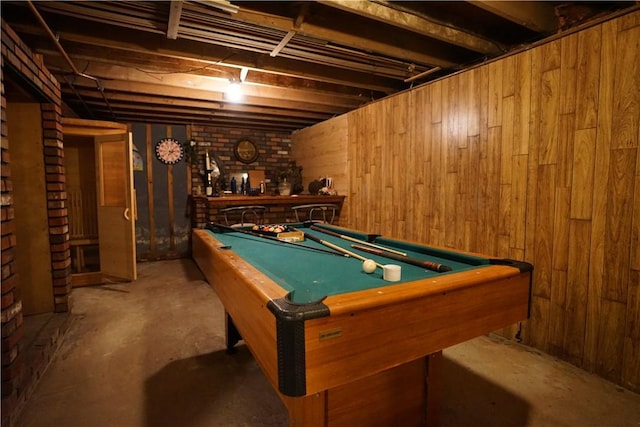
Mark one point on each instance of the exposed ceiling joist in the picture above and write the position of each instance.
(299, 62)
(186, 49)
(291, 32)
(175, 11)
(403, 47)
(276, 50)
(223, 5)
(385, 13)
(537, 16)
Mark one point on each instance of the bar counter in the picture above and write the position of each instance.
(206, 209)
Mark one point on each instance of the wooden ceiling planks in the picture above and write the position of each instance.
(306, 61)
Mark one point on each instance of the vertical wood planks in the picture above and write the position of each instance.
(171, 206)
(549, 107)
(533, 156)
(576, 290)
(568, 73)
(618, 223)
(600, 194)
(559, 272)
(582, 177)
(630, 25)
(588, 77)
(626, 107)
(149, 167)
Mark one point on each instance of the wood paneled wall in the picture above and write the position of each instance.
(534, 156)
(322, 154)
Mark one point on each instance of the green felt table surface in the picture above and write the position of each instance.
(311, 275)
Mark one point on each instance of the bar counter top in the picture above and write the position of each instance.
(297, 199)
(207, 209)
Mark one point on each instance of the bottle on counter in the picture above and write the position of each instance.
(262, 187)
(209, 185)
(233, 185)
(243, 187)
(207, 161)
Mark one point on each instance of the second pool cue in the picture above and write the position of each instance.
(440, 268)
(354, 240)
(339, 249)
(272, 238)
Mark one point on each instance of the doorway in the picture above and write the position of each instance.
(82, 204)
(101, 201)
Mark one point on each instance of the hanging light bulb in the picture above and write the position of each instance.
(234, 91)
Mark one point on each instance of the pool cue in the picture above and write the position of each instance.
(339, 249)
(440, 268)
(354, 240)
(275, 239)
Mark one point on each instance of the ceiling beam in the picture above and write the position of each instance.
(110, 72)
(162, 64)
(205, 26)
(175, 10)
(276, 50)
(223, 5)
(414, 23)
(181, 103)
(142, 42)
(292, 32)
(200, 94)
(407, 49)
(196, 113)
(538, 16)
(212, 120)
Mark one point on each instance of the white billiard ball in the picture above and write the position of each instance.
(368, 266)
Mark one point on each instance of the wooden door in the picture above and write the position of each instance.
(116, 227)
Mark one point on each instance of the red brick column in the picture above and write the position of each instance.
(198, 212)
(57, 211)
(18, 378)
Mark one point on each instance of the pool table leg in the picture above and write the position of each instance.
(232, 336)
(407, 395)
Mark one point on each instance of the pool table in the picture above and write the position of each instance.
(343, 347)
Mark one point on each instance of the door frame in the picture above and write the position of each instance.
(97, 129)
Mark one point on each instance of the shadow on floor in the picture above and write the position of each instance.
(213, 389)
(469, 399)
(230, 390)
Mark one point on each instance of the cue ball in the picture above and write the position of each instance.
(369, 266)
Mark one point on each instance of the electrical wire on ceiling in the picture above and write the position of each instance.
(230, 76)
(64, 54)
(77, 94)
(189, 70)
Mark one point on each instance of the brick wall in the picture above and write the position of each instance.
(274, 152)
(19, 372)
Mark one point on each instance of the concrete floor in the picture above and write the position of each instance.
(151, 353)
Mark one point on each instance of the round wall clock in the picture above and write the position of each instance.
(169, 151)
(246, 151)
